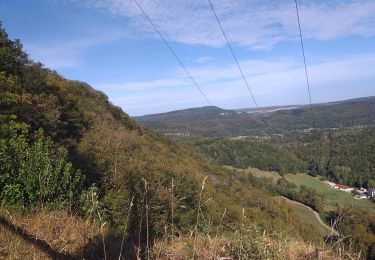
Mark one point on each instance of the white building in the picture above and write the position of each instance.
(371, 192)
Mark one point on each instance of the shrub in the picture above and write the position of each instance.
(34, 174)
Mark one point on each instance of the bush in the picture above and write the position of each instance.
(34, 174)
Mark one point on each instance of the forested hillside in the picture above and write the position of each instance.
(72, 162)
(342, 156)
(249, 153)
(213, 121)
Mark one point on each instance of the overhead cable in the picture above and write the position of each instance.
(173, 53)
(234, 56)
(304, 62)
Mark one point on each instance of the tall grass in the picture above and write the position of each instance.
(68, 234)
(199, 209)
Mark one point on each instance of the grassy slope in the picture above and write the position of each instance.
(45, 235)
(263, 174)
(58, 235)
(307, 214)
(303, 212)
(331, 196)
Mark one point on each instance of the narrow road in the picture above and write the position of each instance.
(334, 232)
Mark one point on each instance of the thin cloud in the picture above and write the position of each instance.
(203, 59)
(54, 57)
(255, 24)
(142, 85)
(157, 102)
(282, 82)
(68, 54)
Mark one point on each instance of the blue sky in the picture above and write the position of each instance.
(110, 45)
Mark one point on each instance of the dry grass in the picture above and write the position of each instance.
(59, 235)
(205, 248)
(44, 235)
(210, 248)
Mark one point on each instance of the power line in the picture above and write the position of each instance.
(304, 62)
(235, 58)
(173, 53)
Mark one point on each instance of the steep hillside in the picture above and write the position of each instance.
(65, 148)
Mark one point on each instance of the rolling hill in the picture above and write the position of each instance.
(214, 121)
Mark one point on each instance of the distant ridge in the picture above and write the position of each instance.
(188, 111)
(204, 109)
(215, 121)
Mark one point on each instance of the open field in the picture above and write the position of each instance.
(331, 196)
(257, 173)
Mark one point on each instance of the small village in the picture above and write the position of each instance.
(361, 193)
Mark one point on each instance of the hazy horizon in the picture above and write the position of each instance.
(243, 108)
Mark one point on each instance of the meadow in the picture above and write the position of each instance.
(331, 196)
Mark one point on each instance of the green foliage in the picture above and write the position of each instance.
(318, 203)
(12, 57)
(213, 121)
(342, 156)
(358, 228)
(41, 98)
(8, 98)
(332, 197)
(248, 153)
(35, 174)
(283, 187)
(90, 204)
(129, 166)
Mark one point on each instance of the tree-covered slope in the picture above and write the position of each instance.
(244, 153)
(218, 122)
(345, 156)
